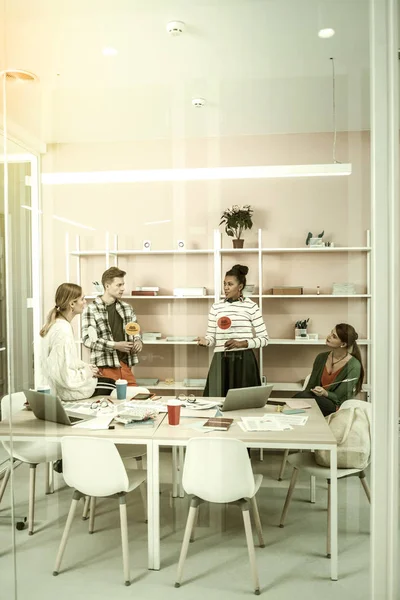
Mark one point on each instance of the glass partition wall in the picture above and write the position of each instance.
(147, 132)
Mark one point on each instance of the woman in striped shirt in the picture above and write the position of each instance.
(235, 327)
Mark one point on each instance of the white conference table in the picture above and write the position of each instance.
(316, 434)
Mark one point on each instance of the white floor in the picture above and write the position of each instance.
(293, 563)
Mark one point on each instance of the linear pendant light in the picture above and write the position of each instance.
(201, 174)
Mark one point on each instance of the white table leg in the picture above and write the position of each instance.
(174, 471)
(312, 489)
(156, 506)
(150, 509)
(334, 515)
(181, 452)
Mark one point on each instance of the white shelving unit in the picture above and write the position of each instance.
(218, 252)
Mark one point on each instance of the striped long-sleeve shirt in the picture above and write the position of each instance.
(241, 320)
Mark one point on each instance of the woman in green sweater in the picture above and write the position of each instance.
(337, 375)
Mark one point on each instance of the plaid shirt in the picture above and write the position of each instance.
(97, 335)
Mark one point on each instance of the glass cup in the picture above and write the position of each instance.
(122, 386)
(174, 412)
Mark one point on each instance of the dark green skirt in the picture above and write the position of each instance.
(235, 369)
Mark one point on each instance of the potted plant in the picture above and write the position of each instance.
(236, 219)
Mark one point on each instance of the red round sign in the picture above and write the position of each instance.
(224, 322)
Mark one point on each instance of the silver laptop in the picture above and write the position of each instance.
(250, 397)
(50, 408)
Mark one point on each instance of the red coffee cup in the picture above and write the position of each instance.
(174, 412)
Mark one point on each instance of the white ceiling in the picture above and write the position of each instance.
(259, 64)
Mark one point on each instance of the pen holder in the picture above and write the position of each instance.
(300, 334)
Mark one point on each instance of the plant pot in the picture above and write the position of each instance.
(238, 243)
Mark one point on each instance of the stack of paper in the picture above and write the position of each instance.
(272, 422)
(151, 336)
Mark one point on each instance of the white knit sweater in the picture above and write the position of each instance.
(61, 368)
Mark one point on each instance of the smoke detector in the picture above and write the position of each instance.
(198, 102)
(175, 28)
(19, 75)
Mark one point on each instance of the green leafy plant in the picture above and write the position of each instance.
(236, 219)
(310, 235)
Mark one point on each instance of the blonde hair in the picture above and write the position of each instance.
(65, 294)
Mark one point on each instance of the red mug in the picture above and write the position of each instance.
(174, 412)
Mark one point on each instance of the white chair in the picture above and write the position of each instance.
(94, 468)
(32, 453)
(219, 470)
(305, 461)
(135, 452)
(286, 452)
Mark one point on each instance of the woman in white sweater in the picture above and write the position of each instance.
(61, 368)
(235, 328)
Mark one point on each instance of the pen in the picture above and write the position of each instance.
(338, 382)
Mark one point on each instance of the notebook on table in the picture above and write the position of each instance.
(219, 423)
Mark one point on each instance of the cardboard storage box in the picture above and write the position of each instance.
(287, 289)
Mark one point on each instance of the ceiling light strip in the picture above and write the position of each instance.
(204, 174)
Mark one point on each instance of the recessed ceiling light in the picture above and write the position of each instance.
(326, 33)
(110, 51)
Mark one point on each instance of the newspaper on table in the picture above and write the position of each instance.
(273, 422)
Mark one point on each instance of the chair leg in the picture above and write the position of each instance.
(250, 546)
(328, 535)
(92, 513)
(257, 521)
(283, 465)
(86, 508)
(31, 507)
(363, 483)
(261, 454)
(196, 518)
(289, 496)
(194, 507)
(5, 481)
(124, 538)
(75, 499)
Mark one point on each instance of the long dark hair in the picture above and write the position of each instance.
(349, 336)
(240, 272)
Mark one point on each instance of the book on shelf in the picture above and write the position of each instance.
(143, 288)
(151, 335)
(146, 382)
(220, 423)
(143, 293)
(343, 289)
(190, 291)
(181, 338)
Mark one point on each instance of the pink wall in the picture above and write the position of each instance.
(285, 209)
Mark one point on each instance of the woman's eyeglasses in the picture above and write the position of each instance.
(102, 404)
(191, 398)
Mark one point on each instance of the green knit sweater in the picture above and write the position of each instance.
(338, 392)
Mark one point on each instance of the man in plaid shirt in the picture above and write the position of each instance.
(103, 330)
